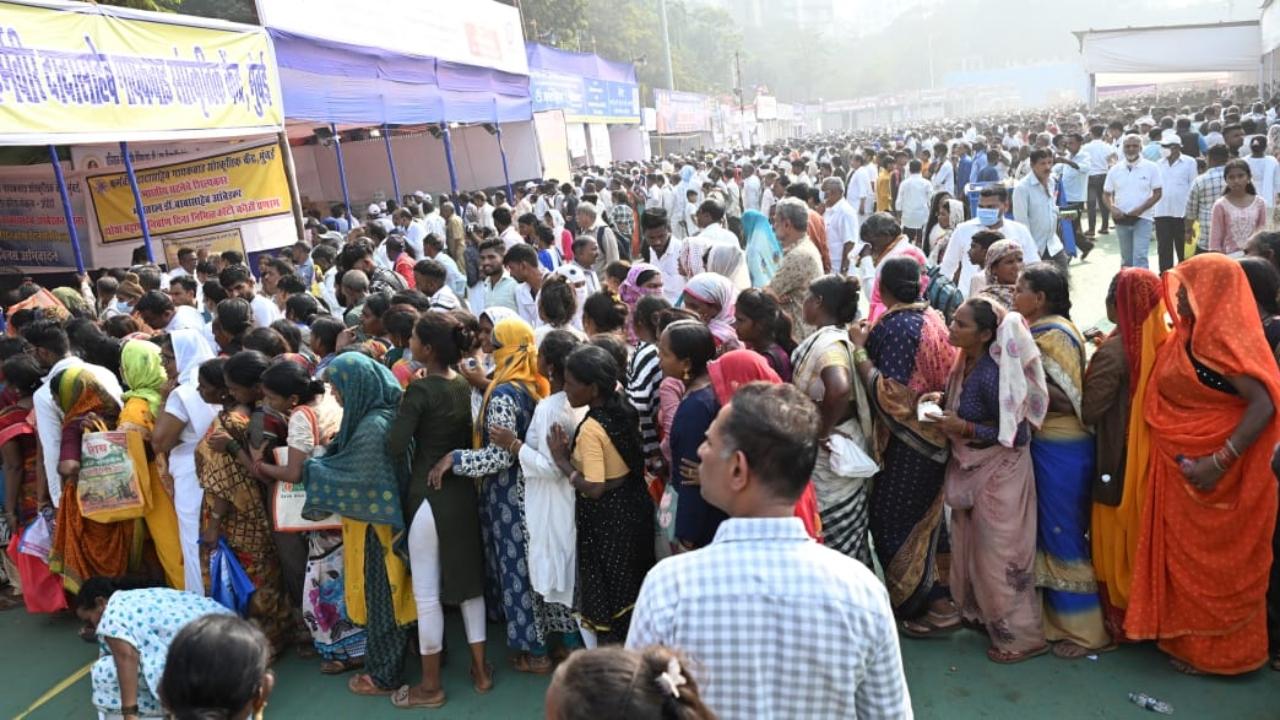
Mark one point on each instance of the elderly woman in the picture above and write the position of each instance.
(1003, 264)
(823, 368)
(995, 394)
(357, 464)
(184, 421)
(1062, 451)
(884, 241)
(514, 390)
(711, 296)
(1198, 586)
(904, 356)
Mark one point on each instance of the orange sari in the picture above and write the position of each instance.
(1200, 573)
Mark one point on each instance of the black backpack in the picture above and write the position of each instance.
(623, 245)
(942, 294)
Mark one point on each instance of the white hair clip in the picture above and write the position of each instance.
(671, 679)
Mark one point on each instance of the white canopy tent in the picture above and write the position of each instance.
(1226, 46)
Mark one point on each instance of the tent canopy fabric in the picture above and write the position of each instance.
(328, 81)
(543, 57)
(1233, 46)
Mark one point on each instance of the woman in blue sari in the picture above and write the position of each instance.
(1062, 451)
(363, 484)
(764, 252)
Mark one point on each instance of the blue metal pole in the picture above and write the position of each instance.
(342, 172)
(506, 176)
(453, 174)
(137, 201)
(391, 161)
(66, 208)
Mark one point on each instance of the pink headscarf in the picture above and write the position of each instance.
(716, 289)
(630, 292)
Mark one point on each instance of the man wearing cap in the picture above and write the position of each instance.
(1177, 172)
(375, 217)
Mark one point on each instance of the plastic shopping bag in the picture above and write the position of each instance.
(41, 589)
(37, 539)
(229, 584)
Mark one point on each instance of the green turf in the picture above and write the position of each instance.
(949, 678)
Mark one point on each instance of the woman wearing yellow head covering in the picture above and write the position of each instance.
(515, 389)
(142, 369)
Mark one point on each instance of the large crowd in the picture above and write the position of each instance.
(683, 427)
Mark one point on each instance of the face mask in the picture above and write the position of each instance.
(124, 307)
(988, 216)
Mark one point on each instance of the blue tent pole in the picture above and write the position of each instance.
(66, 208)
(506, 176)
(391, 161)
(342, 172)
(448, 160)
(137, 201)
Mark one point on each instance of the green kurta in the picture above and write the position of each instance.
(435, 415)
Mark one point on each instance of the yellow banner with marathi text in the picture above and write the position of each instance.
(85, 73)
(241, 185)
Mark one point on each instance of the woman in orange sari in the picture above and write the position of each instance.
(1204, 549)
(83, 548)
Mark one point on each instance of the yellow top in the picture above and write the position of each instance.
(594, 454)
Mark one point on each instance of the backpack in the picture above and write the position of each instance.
(942, 294)
(624, 246)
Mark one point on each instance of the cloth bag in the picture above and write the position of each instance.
(229, 584)
(288, 499)
(111, 485)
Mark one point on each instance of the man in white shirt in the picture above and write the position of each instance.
(943, 178)
(1101, 155)
(522, 263)
(433, 249)
(159, 313)
(1035, 206)
(238, 282)
(606, 242)
(664, 251)
(1132, 189)
(767, 198)
(913, 201)
(862, 194)
(432, 279)
(993, 203)
(812, 632)
(496, 288)
(414, 229)
(842, 221)
(52, 350)
(507, 231)
(187, 261)
(1177, 172)
(1073, 168)
(752, 190)
(710, 221)
(432, 218)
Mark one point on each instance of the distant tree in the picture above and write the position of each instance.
(243, 11)
(559, 23)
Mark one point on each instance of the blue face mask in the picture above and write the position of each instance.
(988, 216)
(124, 307)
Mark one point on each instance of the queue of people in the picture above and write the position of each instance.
(613, 413)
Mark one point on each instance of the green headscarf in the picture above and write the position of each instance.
(71, 299)
(142, 369)
(356, 478)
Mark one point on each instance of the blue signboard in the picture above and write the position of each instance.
(585, 99)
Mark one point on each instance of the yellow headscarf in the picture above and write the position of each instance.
(515, 360)
(142, 369)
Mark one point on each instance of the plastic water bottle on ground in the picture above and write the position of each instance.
(1144, 700)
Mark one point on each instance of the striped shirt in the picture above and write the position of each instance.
(643, 376)
(1205, 191)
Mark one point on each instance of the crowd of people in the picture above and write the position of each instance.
(681, 427)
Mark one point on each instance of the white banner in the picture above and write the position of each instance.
(1199, 48)
(483, 33)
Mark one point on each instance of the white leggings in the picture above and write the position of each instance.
(424, 561)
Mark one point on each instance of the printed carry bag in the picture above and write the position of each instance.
(288, 499)
(112, 484)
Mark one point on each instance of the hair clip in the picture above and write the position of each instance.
(671, 679)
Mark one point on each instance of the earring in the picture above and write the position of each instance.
(687, 377)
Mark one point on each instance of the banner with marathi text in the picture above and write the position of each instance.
(76, 73)
(241, 185)
(33, 228)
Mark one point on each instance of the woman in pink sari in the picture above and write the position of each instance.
(995, 395)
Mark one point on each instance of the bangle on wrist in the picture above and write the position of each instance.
(130, 710)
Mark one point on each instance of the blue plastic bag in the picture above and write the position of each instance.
(229, 584)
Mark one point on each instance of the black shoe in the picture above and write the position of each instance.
(1086, 247)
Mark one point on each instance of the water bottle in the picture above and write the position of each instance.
(1145, 701)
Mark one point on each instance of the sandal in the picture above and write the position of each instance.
(479, 687)
(1068, 650)
(339, 667)
(400, 698)
(925, 627)
(1183, 667)
(363, 684)
(9, 601)
(1005, 657)
(535, 665)
(1275, 663)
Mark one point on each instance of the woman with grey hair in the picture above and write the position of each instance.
(884, 240)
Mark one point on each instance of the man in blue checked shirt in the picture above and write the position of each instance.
(778, 626)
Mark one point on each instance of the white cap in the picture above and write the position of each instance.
(421, 195)
(374, 210)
